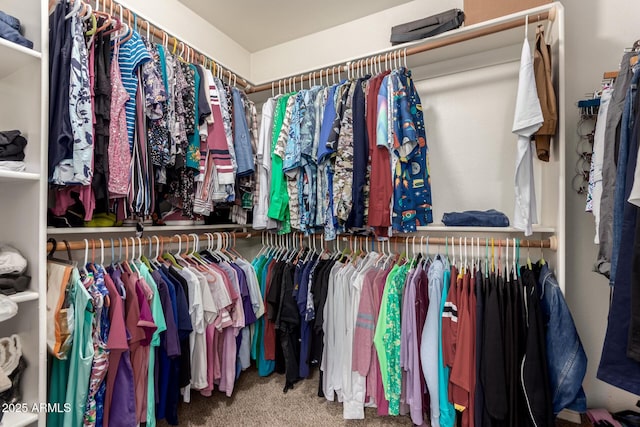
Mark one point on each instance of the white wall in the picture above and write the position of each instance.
(597, 31)
(175, 18)
(341, 43)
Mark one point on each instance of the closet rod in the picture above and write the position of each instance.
(404, 52)
(76, 245)
(159, 33)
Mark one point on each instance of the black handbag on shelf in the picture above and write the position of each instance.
(427, 27)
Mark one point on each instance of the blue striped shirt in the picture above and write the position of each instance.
(133, 53)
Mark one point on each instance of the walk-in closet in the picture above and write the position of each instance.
(388, 212)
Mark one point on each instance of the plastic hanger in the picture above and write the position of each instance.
(494, 259)
(87, 12)
(168, 256)
(219, 246)
(516, 256)
(529, 265)
(466, 259)
(132, 261)
(506, 264)
(106, 16)
(499, 257)
(77, 4)
(83, 268)
(542, 261)
(50, 257)
(147, 260)
(486, 259)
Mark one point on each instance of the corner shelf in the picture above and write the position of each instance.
(11, 176)
(15, 57)
(24, 296)
(18, 419)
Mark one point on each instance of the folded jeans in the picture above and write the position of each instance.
(490, 218)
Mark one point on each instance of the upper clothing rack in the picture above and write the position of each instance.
(542, 13)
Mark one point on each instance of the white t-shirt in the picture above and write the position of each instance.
(263, 161)
(526, 121)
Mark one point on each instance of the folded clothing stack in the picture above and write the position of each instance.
(490, 218)
(12, 145)
(12, 367)
(12, 271)
(11, 30)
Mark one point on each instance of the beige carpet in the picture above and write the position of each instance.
(258, 401)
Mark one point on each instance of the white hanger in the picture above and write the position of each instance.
(507, 256)
(101, 252)
(515, 261)
(179, 243)
(196, 243)
(466, 260)
(133, 255)
(77, 4)
(526, 27)
(473, 258)
(86, 256)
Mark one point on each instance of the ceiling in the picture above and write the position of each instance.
(259, 24)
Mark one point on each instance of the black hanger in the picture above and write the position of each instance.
(50, 257)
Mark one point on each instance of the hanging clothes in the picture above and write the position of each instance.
(127, 122)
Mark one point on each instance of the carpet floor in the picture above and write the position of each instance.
(259, 401)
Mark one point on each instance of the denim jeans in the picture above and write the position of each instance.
(241, 138)
(490, 218)
(10, 21)
(10, 30)
(616, 368)
(628, 118)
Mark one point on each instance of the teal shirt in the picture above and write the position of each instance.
(447, 411)
(193, 149)
(81, 355)
(159, 320)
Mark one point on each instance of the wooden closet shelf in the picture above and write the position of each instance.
(150, 229)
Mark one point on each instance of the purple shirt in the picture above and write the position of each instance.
(249, 315)
(409, 350)
(172, 343)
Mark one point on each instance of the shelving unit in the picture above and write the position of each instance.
(23, 85)
(19, 419)
(24, 296)
(13, 177)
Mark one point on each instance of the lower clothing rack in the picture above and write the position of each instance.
(293, 238)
